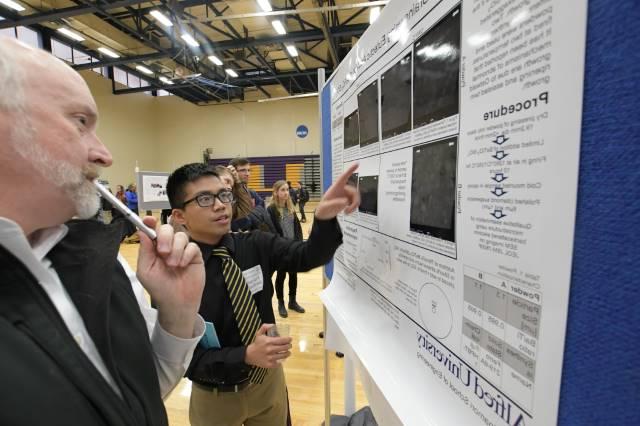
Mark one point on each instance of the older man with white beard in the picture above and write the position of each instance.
(77, 347)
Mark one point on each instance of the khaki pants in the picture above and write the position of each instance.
(256, 405)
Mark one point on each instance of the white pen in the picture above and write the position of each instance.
(131, 216)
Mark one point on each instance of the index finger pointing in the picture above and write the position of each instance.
(344, 177)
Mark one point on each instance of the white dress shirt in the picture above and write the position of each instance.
(172, 354)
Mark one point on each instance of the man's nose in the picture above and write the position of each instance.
(99, 154)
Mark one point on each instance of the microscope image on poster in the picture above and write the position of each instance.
(368, 114)
(396, 98)
(436, 69)
(351, 131)
(433, 189)
(368, 188)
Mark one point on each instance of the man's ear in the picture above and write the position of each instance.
(177, 216)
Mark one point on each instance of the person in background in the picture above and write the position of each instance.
(77, 347)
(242, 204)
(293, 194)
(283, 216)
(115, 213)
(239, 379)
(132, 198)
(303, 198)
(243, 167)
(120, 195)
(245, 217)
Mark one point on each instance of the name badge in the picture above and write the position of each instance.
(253, 277)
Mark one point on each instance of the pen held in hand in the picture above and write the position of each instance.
(131, 216)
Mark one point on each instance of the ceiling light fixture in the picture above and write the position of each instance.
(265, 5)
(190, 40)
(292, 50)
(13, 5)
(231, 72)
(144, 69)
(162, 18)
(215, 60)
(374, 12)
(165, 80)
(277, 25)
(108, 52)
(71, 34)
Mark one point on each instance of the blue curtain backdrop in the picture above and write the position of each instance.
(601, 375)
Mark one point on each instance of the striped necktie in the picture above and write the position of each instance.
(244, 307)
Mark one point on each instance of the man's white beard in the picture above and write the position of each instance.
(73, 180)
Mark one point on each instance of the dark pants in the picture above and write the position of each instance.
(164, 216)
(293, 284)
(302, 216)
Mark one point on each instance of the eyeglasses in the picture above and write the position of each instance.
(208, 199)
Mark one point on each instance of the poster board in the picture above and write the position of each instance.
(152, 190)
(446, 287)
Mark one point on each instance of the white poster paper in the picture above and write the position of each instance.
(154, 188)
(452, 283)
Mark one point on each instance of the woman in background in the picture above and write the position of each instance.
(287, 225)
(115, 213)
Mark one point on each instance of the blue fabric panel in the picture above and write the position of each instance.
(601, 373)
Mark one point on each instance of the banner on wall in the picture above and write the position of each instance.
(453, 280)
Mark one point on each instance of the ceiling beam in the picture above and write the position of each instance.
(321, 9)
(293, 37)
(66, 12)
(327, 35)
(310, 35)
(281, 75)
(124, 60)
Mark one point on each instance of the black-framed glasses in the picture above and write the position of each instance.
(207, 199)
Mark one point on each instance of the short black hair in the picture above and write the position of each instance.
(181, 177)
(239, 161)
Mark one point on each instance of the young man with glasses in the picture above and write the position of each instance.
(238, 379)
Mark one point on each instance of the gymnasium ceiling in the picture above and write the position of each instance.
(239, 33)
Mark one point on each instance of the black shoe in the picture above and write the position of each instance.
(294, 305)
(281, 309)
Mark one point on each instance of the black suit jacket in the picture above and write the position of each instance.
(46, 378)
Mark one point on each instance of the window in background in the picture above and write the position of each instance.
(119, 76)
(61, 50)
(30, 37)
(133, 81)
(80, 57)
(145, 83)
(8, 32)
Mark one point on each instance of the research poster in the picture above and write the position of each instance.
(452, 284)
(152, 190)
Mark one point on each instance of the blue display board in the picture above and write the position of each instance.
(601, 377)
